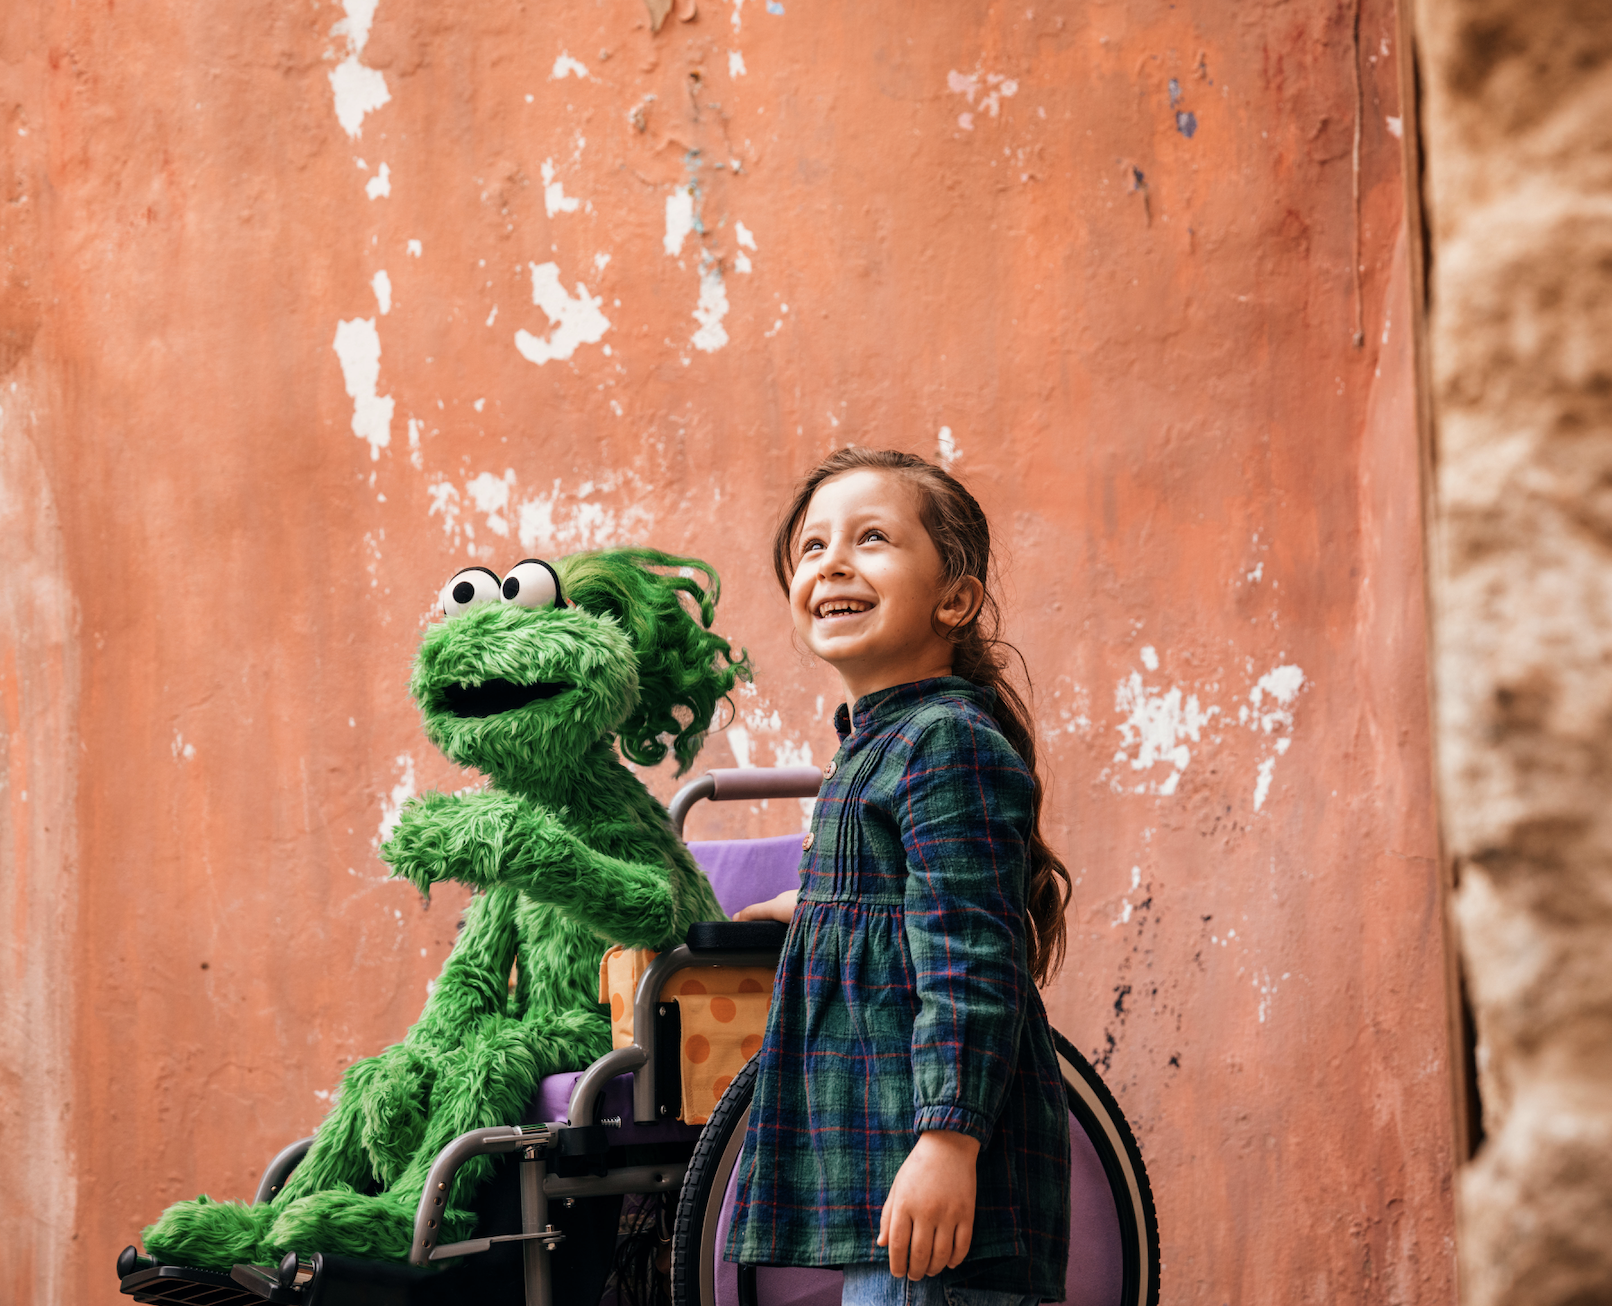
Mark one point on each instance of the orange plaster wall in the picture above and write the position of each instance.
(991, 221)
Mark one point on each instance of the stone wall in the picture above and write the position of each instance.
(1518, 132)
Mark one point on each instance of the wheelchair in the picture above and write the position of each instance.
(651, 1124)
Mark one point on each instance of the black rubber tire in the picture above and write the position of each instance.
(706, 1181)
(705, 1184)
(1094, 1106)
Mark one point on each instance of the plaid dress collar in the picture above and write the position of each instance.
(887, 704)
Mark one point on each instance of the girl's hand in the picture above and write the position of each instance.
(928, 1218)
(781, 908)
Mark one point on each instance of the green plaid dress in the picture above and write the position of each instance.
(904, 1003)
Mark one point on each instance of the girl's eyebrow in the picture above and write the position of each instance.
(858, 518)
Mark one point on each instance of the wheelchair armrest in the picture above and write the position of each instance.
(279, 1170)
(735, 936)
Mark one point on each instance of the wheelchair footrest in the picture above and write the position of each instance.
(184, 1285)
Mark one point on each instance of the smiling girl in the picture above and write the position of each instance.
(909, 1122)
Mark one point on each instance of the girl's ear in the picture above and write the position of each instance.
(962, 605)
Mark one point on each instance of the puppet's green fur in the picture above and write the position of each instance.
(571, 853)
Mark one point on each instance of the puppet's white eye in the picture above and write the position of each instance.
(469, 589)
(533, 584)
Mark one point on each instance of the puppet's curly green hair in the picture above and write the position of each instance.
(682, 663)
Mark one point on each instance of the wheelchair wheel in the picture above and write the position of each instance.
(1114, 1234)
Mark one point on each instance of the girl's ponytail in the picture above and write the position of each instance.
(962, 537)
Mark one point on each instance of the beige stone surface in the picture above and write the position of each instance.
(1517, 123)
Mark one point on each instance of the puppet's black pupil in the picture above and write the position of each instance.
(463, 592)
(512, 587)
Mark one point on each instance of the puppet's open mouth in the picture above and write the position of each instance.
(497, 695)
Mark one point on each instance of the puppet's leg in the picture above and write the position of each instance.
(217, 1235)
(378, 1120)
(487, 1081)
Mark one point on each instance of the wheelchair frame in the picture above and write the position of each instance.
(551, 1154)
(560, 1160)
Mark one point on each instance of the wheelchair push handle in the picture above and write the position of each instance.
(736, 783)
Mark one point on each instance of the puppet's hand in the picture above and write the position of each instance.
(448, 837)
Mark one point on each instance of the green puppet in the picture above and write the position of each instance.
(536, 680)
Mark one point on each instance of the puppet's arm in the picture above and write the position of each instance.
(475, 979)
(495, 838)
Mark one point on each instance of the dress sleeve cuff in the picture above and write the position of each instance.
(956, 1119)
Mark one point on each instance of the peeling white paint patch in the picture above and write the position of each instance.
(1283, 685)
(791, 752)
(736, 66)
(415, 249)
(565, 64)
(491, 494)
(1262, 786)
(739, 742)
(946, 450)
(381, 284)
(358, 347)
(574, 520)
(380, 184)
(1269, 709)
(358, 89)
(555, 200)
(444, 496)
(180, 749)
(559, 519)
(415, 427)
(1126, 906)
(1150, 657)
(711, 309)
(573, 322)
(1266, 987)
(679, 219)
(1396, 127)
(601, 261)
(1156, 726)
(738, 5)
(991, 88)
(392, 804)
(747, 240)
(355, 27)
(1075, 715)
(493, 316)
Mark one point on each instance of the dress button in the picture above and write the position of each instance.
(806, 843)
(828, 771)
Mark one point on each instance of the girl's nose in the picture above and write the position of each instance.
(835, 559)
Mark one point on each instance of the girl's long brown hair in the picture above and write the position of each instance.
(962, 537)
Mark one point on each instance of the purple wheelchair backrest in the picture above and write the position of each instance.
(745, 871)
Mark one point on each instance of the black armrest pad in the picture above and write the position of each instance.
(737, 936)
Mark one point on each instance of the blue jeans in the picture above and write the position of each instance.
(874, 1285)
